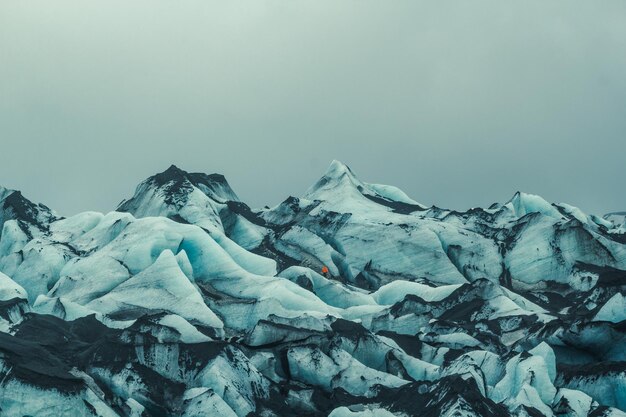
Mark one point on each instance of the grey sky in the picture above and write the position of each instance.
(459, 103)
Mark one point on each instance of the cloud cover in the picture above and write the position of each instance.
(460, 104)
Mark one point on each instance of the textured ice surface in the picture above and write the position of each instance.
(9, 289)
(186, 302)
(613, 310)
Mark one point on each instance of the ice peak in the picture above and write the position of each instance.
(174, 186)
(337, 169)
(12, 197)
(523, 203)
(344, 192)
(338, 175)
(176, 179)
(173, 173)
(16, 206)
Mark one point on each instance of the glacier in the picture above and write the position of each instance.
(350, 300)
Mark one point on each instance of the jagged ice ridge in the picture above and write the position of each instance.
(184, 301)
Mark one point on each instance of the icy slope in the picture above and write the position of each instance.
(354, 300)
(369, 240)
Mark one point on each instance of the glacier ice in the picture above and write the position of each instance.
(187, 302)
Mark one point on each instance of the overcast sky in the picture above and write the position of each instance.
(459, 103)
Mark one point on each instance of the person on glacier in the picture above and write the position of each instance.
(325, 271)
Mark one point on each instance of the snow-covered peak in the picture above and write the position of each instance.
(214, 186)
(175, 185)
(178, 194)
(344, 303)
(338, 169)
(341, 190)
(337, 176)
(578, 214)
(203, 200)
(522, 204)
(14, 206)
